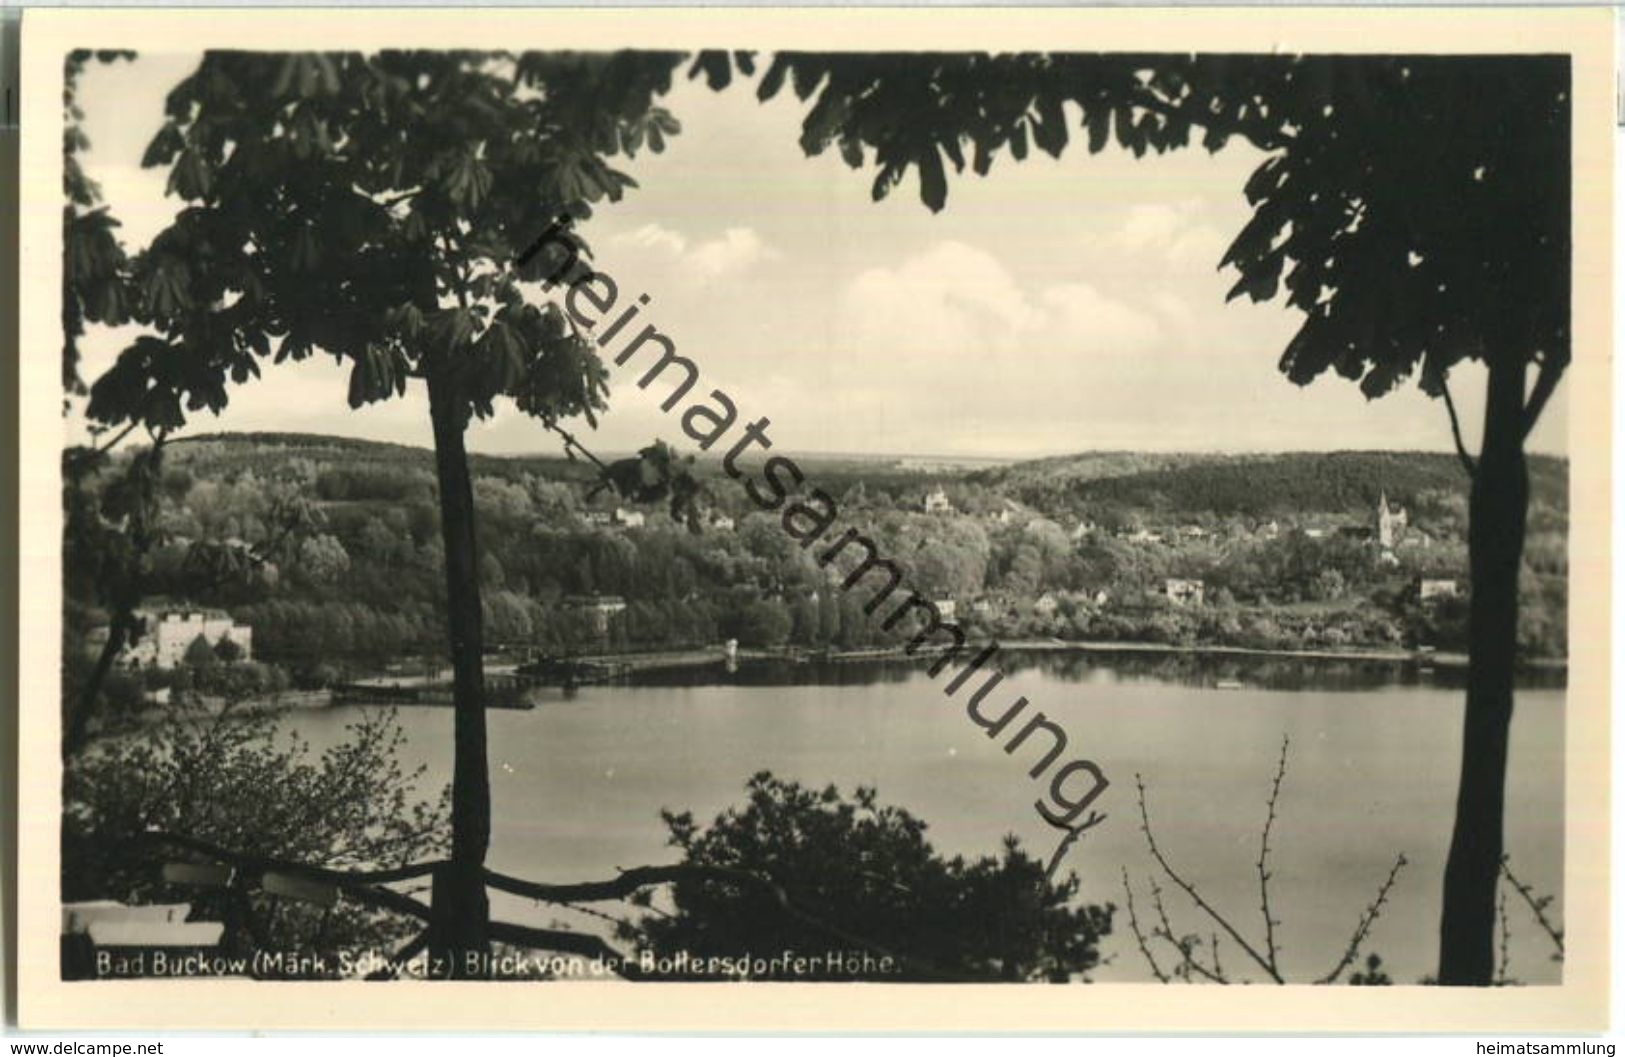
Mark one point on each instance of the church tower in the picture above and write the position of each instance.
(1391, 523)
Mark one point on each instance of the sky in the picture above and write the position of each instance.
(1053, 307)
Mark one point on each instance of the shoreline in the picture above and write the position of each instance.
(206, 708)
(663, 659)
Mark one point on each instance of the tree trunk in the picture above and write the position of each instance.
(78, 728)
(461, 910)
(1497, 514)
(126, 595)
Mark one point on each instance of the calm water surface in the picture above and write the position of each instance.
(1375, 750)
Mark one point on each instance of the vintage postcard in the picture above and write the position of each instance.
(969, 520)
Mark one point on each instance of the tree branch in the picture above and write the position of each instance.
(1551, 372)
(1506, 939)
(122, 622)
(1195, 896)
(125, 432)
(571, 444)
(1367, 919)
(1536, 904)
(1264, 856)
(1185, 945)
(1072, 834)
(630, 881)
(342, 878)
(1455, 429)
(1139, 937)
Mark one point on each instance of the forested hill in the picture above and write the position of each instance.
(226, 451)
(1251, 485)
(1272, 485)
(1081, 547)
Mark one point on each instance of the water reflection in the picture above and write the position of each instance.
(1101, 667)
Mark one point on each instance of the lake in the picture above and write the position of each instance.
(578, 782)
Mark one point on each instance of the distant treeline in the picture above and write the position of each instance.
(1041, 549)
(1259, 486)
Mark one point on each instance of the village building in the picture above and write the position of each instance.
(628, 518)
(1007, 512)
(170, 633)
(947, 608)
(1415, 538)
(1046, 604)
(720, 522)
(599, 517)
(1184, 592)
(598, 608)
(936, 502)
(1428, 590)
(1391, 523)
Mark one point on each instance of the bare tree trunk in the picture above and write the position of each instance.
(461, 909)
(78, 727)
(125, 595)
(1498, 512)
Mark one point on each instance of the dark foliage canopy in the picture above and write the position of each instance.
(371, 207)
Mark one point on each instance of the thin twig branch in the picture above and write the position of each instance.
(1185, 945)
(1537, 906)
(120, 435)
(1506, 939)
(1455, 429)
(1072, 834)
(588, 946)
(1264, 856)
(570, 443)
(1139, 937)
(1186, 948)
(1195, 896)
(599, 914)
(1367, 919)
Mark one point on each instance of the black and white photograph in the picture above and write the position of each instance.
(771, 511)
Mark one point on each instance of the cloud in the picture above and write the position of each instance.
(950, 347)
(950, 297)
(1148, 225)
(653, 236)
(1080, 312)
(732, 253)
(1178, 233)
(956, 298)
(736, 251)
